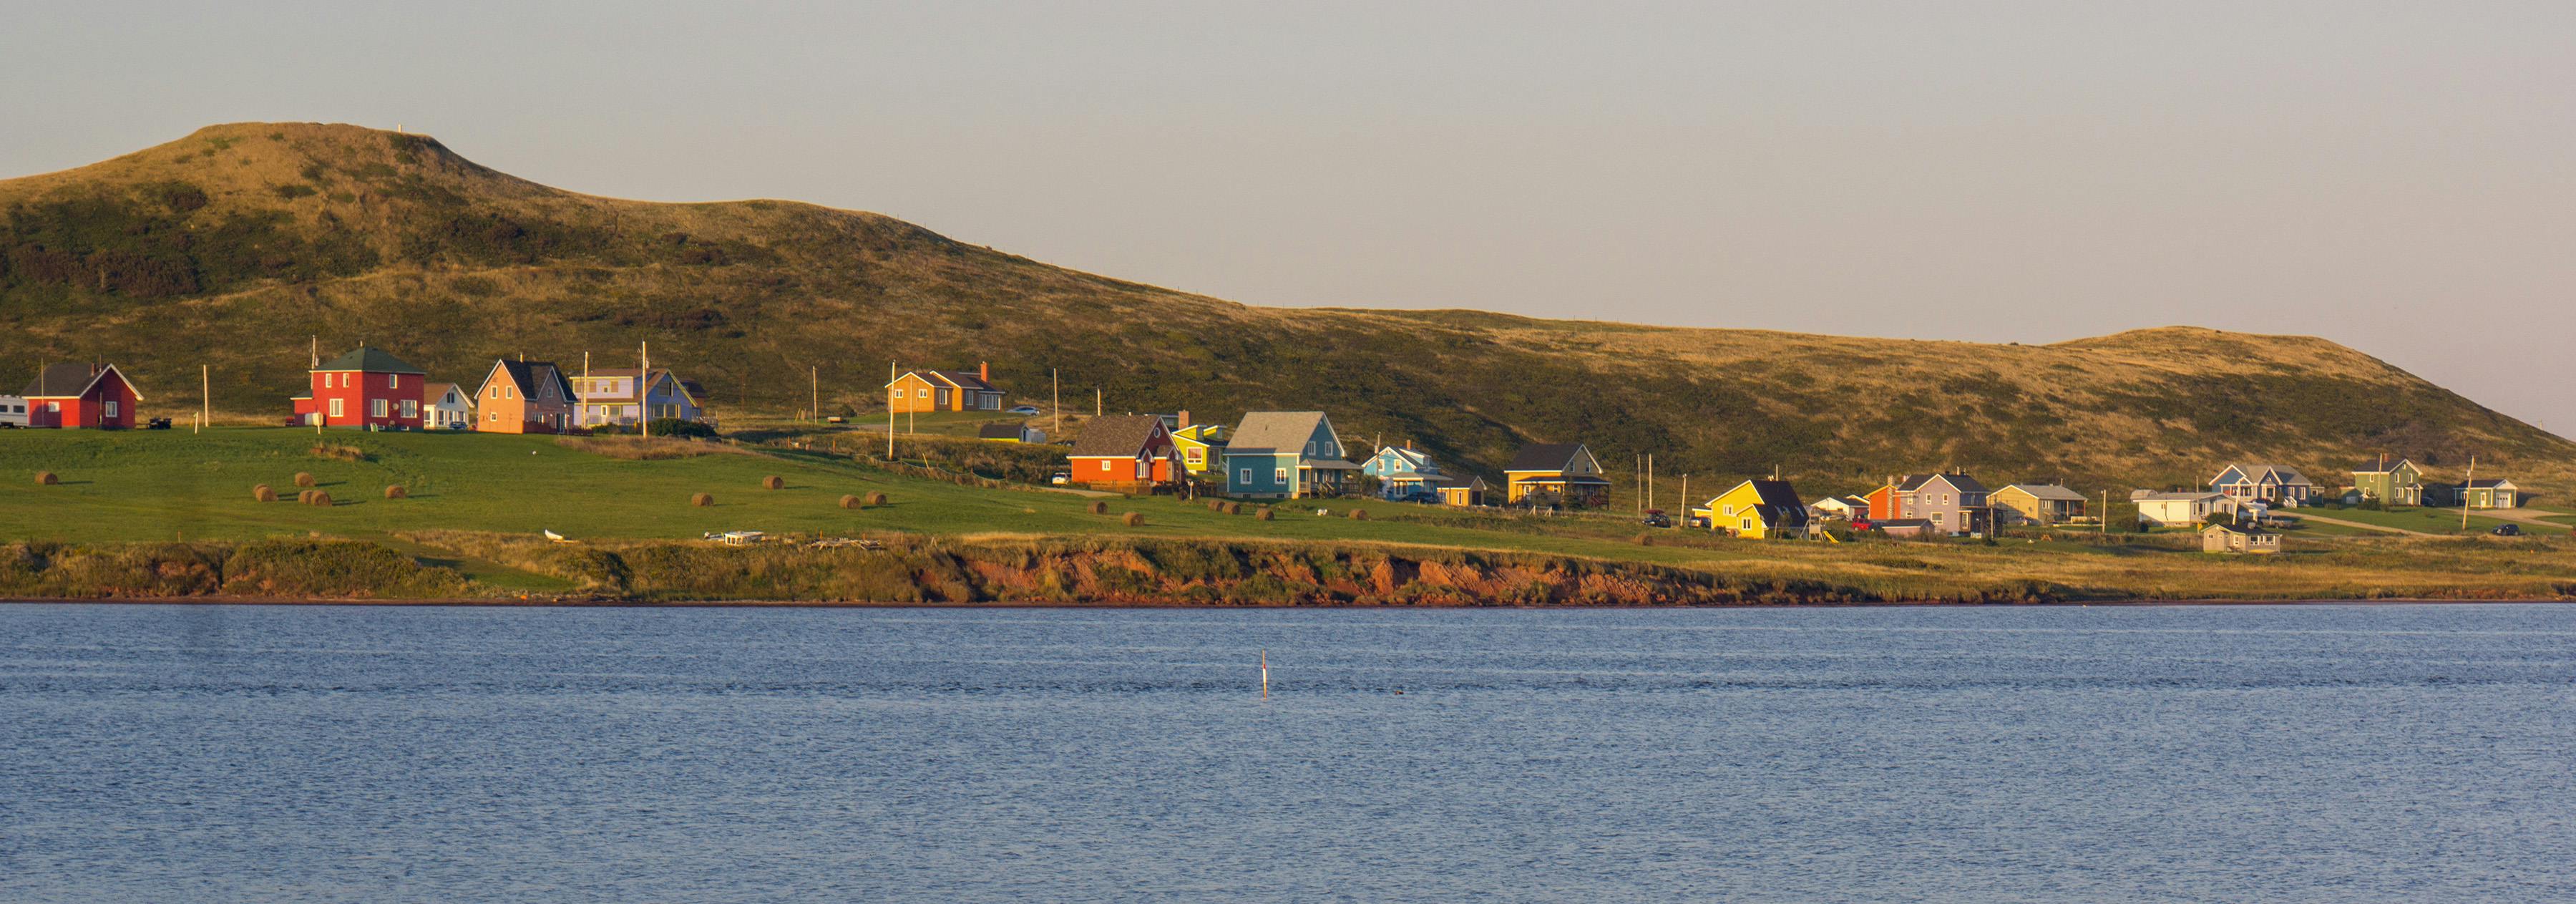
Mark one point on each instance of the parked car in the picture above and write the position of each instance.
(1425, 496)
(1060, 478)
(2507, 530)
(1025, 410)
(158, 423)
(1695, 522)
(1655, 518)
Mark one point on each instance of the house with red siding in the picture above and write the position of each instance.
(73, 394)
(366, 389)
(1126, 453)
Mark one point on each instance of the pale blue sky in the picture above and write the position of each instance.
(2398, 177)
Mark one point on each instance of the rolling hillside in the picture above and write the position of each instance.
(231, 246)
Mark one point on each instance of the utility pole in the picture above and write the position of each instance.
(890, 391)
(2467, 487)
(1650, 480)
(1055, 399)
(1685, 500)
(1096, 397)
(205, 396)
(582, 416)
(644, 391)
(814, 384)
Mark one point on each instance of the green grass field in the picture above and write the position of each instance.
(2421, 520)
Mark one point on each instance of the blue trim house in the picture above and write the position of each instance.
(1403, 471)
(1285, 455)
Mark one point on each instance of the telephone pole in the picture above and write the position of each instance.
(644, 388)
(814, 384)
(1055, 399)
(890, 391)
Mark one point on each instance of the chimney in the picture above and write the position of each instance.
(984, 371)
(1185, 419)
(1408, 445)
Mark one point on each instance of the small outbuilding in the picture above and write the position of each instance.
(2224, 538)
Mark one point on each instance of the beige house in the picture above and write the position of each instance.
(2040, 504)
(2225, 539)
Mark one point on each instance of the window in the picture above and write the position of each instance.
(375, 408)
(55, 407)
(108, 410)
(393, 381)
(1280, 475)
(1937, 517)
(411, 408)
(492, 416)
(335, 408)
(1243, 476)
(509, 392)
(1746, 524)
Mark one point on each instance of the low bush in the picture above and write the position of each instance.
(262, 493)
(773, 482)
(701, 500)
(1133, 519)
(850, 502)
(46, 479)
(339, 452)
(397, 492)
(303, 479)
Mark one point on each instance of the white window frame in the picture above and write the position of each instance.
(377, 408)
(107, 409)
(1243, 476)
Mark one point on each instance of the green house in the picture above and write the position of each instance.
(2397, 482)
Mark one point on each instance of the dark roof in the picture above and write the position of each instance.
(998, 431)
(1962, 482)
(527, 374)
(2379, 466)
(1448, 481)
(2484, 484)
(1777, 494)
(372, 360)
(969, 380)
(1923, 523)
(63, 378)
(1115, 436)
(1544, 457)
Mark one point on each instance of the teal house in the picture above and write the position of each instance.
(1403, 472)
(1285, 455)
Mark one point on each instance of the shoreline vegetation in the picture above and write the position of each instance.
(173, 516)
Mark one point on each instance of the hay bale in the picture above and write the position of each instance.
(304, 497)
(397, 492)
(773, 482)
(1133, 519)
(849, 502)
(876, 498)
(319, 499)
(1645, 539)
(1099, 507)
(1234, 508)
(1358, 514)
(701, 500)
(1262, 515)
(303, 479)
(46, 479)
(262, 493)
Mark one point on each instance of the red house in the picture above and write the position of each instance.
(1128, 453)
(368, 389)
(73, 394)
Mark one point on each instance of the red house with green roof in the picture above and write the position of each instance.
(369, 389)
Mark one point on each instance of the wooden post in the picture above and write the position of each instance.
(205, 396)
(814, 384)
(1650, 480)
(644, 389)
(1055, 400)
(891, 377)
(1096, 407)
(1686, 501)
(2466, 487)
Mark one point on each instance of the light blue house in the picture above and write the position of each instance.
(1285, 455)
(1403, 472)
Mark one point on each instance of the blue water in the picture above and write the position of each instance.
(2317, 753)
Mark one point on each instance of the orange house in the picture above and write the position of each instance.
(524, 397)
(1882, 502)
(944, 390)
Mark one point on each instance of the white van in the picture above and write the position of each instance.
(13, 411)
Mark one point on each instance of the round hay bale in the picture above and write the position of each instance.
(773, 482)
(1216, 505)
(303, 479)
(319, 499)
(397, 492)
(46, 479)
(1234, 508)
(876, 497)
(304, 497)
(1262, 515)
(1645, 539)
(1359, 514)
(1099, 507)
(701, 500)
(1133, 519)
(262, 493)
(850, 502)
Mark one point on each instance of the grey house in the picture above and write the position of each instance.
(1953, 502)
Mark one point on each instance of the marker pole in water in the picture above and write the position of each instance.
(1265, 674)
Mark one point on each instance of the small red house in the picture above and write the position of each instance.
(1127, 453)
(368, 389)
(72, 394)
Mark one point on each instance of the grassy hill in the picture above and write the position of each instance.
(231, 246)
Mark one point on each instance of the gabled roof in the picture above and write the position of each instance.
(1279, 431)
(371, 360)
(1203, 434)
(1116, 436)
(1000, 431)
(962, 379)
(1548, 457)
(2173, 496)
(1960, 482)
(1773, 493)
(71, 379)
(2384, 465)
(1452, 481)
(640, 386)
(2047, 491)
(432, 392)
(2256, 472)
(1412, 459)
(2484, 484)
(528, 375)
(2233, 529)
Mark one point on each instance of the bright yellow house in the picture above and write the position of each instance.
(1202, 448)
(1757, 510)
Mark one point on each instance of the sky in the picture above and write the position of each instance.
(2400, 178)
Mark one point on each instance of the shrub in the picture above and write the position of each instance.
(849, 502)
(1133, 519)
(1262, 515)
(262, 493)
(674, 427)
(773, 482)
(876, 498)
(397, 492)
(1359, 514)
(701, 500)
(46, 479)
(1099, 507)
(303, 479)
(319, 499)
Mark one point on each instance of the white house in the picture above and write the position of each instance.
(445, 407)
(2180, 509)
(1845, 508)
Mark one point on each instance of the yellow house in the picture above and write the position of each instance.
(1556, 473)
(944, 390)
(1757, 510)
(1202, 448)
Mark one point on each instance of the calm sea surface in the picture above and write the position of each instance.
(2310, 753)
